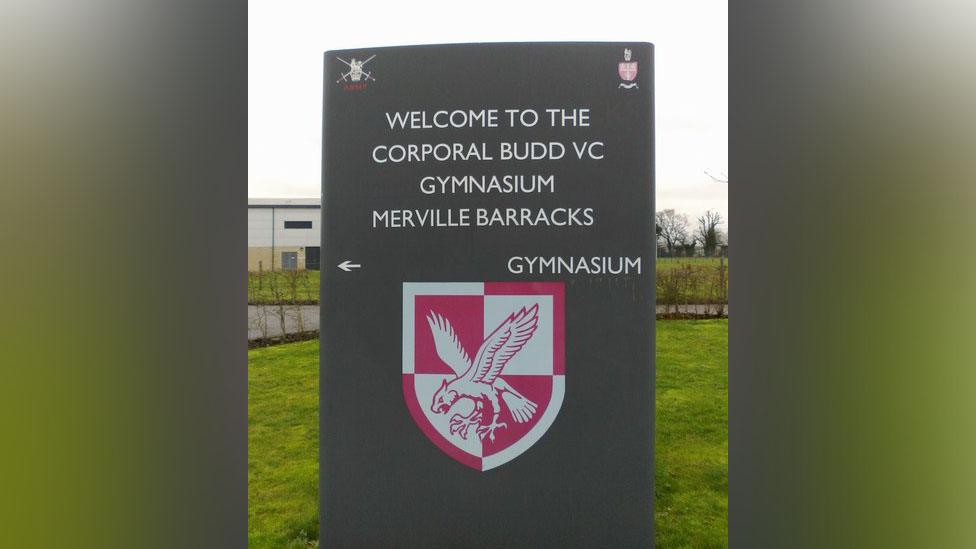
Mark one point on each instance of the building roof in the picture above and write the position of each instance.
(284, 203)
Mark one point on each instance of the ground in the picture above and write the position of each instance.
(282, 449)
(692, 438)
(288, 286)
(691, 468)
(303, 286)
(672, 262)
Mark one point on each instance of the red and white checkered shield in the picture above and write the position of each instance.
(627, 70)
(483, 365)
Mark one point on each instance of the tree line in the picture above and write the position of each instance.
(676, 235)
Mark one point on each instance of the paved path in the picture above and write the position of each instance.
(694, 309)
(265, 321)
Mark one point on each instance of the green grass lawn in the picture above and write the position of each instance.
(691, 469)
(271, 287)
(282, 444)
(672, 262)
(303, 286)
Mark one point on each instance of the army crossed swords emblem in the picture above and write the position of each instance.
(627, 70)
(356, 72)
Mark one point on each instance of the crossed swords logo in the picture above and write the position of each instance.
(356, 72)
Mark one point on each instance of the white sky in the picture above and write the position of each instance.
(286, 40)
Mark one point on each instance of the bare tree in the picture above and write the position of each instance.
(672, 228)
(722, 178)
(707, 232)
(722, 236)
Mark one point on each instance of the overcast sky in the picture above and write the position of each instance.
(286, 40)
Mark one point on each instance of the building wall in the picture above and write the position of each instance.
(259, 258)
(261, 222)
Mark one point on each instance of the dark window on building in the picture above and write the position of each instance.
(298, 224)
(312, 255)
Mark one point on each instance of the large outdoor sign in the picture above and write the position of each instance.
(487, 331)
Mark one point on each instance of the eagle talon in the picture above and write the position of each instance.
(460, 424)
(489, 430)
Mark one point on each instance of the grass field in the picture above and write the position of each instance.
(672, 262)
(691, 469)
(282, 444)
(303, 286)
(270, 287)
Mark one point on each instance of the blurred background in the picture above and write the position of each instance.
(851, 358)
(124, 166)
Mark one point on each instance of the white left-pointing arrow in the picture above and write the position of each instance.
(348, 265)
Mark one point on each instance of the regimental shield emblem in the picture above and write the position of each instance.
(627, 70)
(483, 365)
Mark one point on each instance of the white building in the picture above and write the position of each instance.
(283, 233)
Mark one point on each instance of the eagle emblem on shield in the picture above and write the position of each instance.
(627, 70)
(483, 366)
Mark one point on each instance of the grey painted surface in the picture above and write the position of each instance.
(385, 479)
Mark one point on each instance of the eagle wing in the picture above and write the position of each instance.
(504, 343)
(448, 345)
